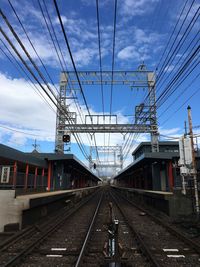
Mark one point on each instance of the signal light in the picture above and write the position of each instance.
(94, 166)
(66, 138)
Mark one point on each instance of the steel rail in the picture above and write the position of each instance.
(84, 246)
(60, 220)
(143, 247)
(29, 230)
(194, 245)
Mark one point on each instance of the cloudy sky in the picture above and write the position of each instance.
(145, 32)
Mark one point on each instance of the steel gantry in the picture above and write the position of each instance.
(63, 115)
(145, 114)
(113, 160)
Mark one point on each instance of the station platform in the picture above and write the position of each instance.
(174, 204)
(16, 212)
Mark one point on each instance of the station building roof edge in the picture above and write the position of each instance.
(12, 154)
(161, 143)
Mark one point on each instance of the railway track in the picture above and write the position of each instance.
(106, 230)
(15, 249)
(159, 241)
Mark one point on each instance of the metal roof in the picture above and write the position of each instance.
(64, 157)
(16, 155)
(147, 157)
(41, 159)
(161, 143)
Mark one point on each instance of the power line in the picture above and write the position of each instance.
(74, 66)
(60, 50)
(113, 56)
(31, 72)
(162, 71)
(100, 59)
(173, 31)
(32, 44)
(177, 76)
(182, 92)
(186, 101)
(18, 131)
(183, 38)
(113, 63)
(100, 64)
(172, 52)
(182, 56)
(167, 92)
(27, 54)
(22, 71)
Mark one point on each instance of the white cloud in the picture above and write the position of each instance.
(169, 131)
(93, 2)
(137, 45)
(129, 52)
(23, 110)
(133, 8)
(170, 134)
(169, 68)
(63, 18)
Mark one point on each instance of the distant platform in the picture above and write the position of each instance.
(145, 191)
(174, 204)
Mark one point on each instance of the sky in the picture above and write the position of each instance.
(143, 30)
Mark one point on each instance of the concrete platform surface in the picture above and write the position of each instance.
(12, 208)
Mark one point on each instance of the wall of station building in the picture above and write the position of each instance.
(25, 177)
(64, 176)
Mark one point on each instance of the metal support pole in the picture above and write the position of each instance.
(183, 177)
(193, 161)
(152, 111)
(35, 177)
(42, 177)
(15, 174)
(61, 119)
(49, 177)
(26, 177)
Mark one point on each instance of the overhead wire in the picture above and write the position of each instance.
(74, 66)
(28, 56)
(179, 45)
(23, 132)
(113, 64)
(31, 72)
(182, 56)
(20, 69)
(166, 93)
(113, 56)
(61, 58)
(100, 56)
(171, 35)
(165, 64)
(32, 45)
(100, 64)
(184, 68)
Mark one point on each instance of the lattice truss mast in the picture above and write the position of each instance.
(145, 113)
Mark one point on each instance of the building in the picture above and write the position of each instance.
(27, 172)
(152, 170)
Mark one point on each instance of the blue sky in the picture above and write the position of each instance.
(142, 32)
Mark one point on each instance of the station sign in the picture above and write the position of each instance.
(5, 174)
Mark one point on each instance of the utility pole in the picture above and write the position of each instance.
(193, 161)
(185, 126)
(35, 145)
